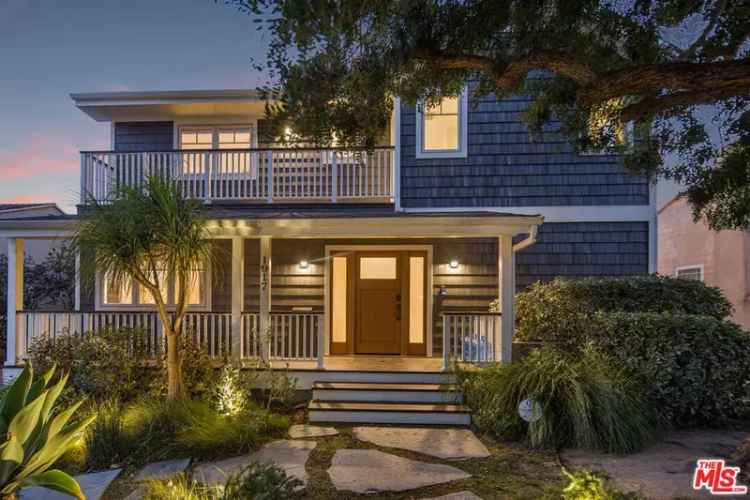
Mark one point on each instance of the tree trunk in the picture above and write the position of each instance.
(175, 389)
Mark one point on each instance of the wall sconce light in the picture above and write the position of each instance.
(303, 264)
(454, 264)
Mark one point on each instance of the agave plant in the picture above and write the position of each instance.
(35, 438)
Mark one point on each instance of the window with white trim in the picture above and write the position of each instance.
(689, 273)
(121, 292)
(223, 137)
(442, 128)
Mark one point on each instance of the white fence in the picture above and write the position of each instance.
(270, 175)
(290, 336)
(471, 337)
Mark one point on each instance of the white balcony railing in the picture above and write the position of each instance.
(471, 337)
(263, 176)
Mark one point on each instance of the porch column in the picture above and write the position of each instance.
(238, 297)
(506, 288)
(14, 300)
(77, 299)
(264, 323)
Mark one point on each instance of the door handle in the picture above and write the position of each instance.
(398, 307)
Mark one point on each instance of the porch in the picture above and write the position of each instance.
(278, 302)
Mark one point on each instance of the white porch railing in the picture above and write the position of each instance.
(292, 336)
(260, 175)
(471, 337)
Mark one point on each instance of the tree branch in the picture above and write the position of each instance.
(698, 43)
(651, 106)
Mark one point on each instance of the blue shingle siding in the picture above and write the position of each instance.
(578, 249)
(144, 136)
(505, 167)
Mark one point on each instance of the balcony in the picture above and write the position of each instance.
(248, 175)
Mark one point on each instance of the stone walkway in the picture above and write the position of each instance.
(351, 470)
(93, 486)
(371, 471)
(664, 470)
(442, 443)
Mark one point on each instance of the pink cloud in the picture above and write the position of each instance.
(38, 156)
(25, 198)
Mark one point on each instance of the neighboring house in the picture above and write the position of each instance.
(36, 249)
(691, 250)
(360, 262)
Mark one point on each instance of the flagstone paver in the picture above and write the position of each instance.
(365, 471)
(664, 470)
(301, 431)
(441, 443)
(162, 470)
(93, 486)
(288, 455)
(461, 495)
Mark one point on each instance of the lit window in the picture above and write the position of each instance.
(441, 125)
(202, 138)
(145, 297)
(690, 273)
(117, 292)
(377, 268)
(196, 285)
(441, 128)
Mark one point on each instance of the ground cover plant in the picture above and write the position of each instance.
(586, 401)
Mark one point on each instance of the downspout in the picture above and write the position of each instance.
(528, 241)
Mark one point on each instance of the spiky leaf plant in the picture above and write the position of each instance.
(35, 437)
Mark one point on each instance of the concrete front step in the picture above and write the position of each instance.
(387, 392)
(382, 377)
(388, 413)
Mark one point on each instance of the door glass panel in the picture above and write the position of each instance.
(339, 299)
(416, 300)
(377, 268)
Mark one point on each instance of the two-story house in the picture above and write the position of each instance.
(363, 267)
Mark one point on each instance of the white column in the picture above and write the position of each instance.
(14, 299)
(77, 305)
(238, 296)
(264, 323)
(507, 286)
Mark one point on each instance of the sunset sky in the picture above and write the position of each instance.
(50, 49)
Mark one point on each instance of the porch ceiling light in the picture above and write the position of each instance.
(303, 264)
(454, 264)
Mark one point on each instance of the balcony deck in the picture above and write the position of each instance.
(248, 175)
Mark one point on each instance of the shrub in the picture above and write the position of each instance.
(554, 310)
(586, 402)
(696, 368)
(585, 485)
(103, 365)
(198, 373)
(261, 482)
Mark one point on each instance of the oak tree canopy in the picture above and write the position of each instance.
(633, 77)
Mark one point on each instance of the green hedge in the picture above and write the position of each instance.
(696, 368)
(552, 310)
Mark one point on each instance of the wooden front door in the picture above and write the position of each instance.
(378, 280)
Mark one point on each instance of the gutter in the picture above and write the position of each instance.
(528, 241)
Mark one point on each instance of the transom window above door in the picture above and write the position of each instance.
(442, 128)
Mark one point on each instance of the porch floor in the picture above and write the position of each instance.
(363, 363)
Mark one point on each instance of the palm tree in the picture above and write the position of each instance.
(141, 234)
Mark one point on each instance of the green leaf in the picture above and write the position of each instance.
(16, 395)
(55, 480)
(62, 418)
(10, 458)
(25, 422)
(54, 448)
(40, 384)
(52, 395)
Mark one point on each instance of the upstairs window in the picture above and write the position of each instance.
(225, 137)
(689, 273)
(442, 128)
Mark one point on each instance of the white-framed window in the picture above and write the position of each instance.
(216, 137)
(694, 272)
(111, 294)
(442, 128)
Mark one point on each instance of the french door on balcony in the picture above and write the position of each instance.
(378, 302)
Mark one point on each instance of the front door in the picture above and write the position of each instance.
(378, 278)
